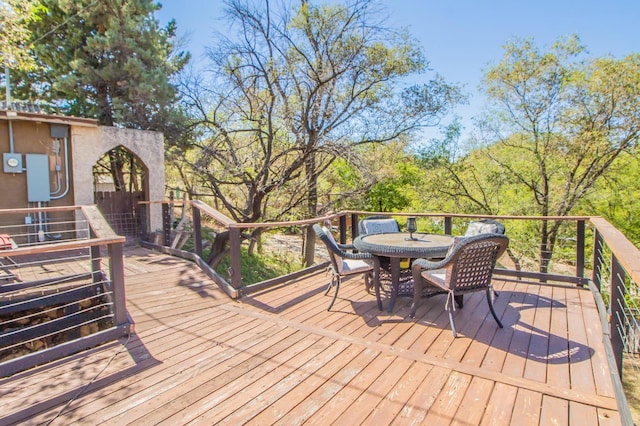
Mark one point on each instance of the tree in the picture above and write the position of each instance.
(613, 194)
(105, 59)
(295, 92)
(14, 34)
(108, 59)
(558, 125)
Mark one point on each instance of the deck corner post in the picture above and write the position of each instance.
(197, 230)
(116, 273)
(235, 258)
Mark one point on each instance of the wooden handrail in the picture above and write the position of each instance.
(98, 223)
(220, 217)
(469, 216)
(627, 254)
(244, 225)
(281, 224)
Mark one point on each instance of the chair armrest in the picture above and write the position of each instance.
(346, 246)
(349, 255)
(363, 256)
(429, 265)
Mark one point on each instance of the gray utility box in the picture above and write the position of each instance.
(38, 186)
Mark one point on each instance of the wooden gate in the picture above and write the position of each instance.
(120, 208)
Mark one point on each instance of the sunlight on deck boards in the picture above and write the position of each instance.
(278, 357)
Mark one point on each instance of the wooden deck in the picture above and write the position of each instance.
(279, 357)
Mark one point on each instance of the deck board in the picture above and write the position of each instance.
(278, 357)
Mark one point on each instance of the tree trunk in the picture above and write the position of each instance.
(549, 236)
(116, 164)
(219, 249)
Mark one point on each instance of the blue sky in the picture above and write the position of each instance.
(461, 38)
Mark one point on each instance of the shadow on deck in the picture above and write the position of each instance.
(279, 357)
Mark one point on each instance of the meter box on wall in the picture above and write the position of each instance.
(12, 162)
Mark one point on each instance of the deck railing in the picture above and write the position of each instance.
(612, 272)
(616, 275)
(61, 285)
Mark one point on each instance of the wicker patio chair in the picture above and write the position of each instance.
(344, 263)
(468, 267)
(379, 224)
(485, 226)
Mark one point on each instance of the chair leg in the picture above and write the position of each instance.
(368, 281)
(330, 286)
(459, 299)
(417, 295)
(335, 295)
(376, 281)
(493, 312)
(451, 320)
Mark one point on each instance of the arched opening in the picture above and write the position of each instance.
(120, 180)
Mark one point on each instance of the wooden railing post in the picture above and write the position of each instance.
(448, 229)
(617, 311)
(172, 199)
(235, 258)
(580, 249)
(166, 224)
(343, 229)
(116, 273)
(143, 220)
(197, 230)
(354, 226)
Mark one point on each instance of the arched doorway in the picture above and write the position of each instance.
(120, 181)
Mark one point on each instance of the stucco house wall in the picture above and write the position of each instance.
(89, 145)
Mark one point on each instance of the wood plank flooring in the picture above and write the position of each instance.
(278, 357)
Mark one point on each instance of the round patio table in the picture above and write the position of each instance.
(399, 245)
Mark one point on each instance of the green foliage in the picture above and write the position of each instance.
(106, 59)
(342, 186)
(297, 89)
(613, 197)
(258, 267)
(558, 124)
(15, 16)
(395, 193)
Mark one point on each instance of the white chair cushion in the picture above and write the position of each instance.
(477, 228)
(436, 277)
(353, 266)
(380, 226)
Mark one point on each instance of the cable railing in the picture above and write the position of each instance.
(61, 285)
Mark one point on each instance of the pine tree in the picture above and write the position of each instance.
(106, 59)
